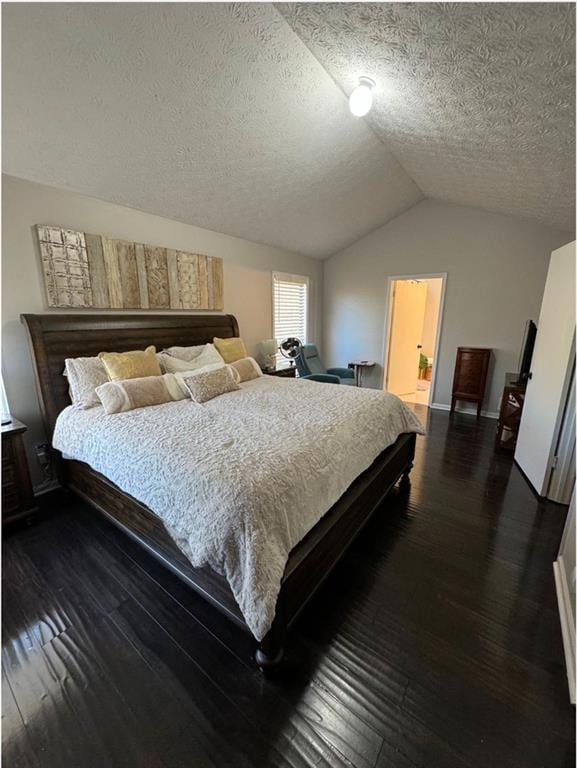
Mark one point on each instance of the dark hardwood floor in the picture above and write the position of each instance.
(436, 642)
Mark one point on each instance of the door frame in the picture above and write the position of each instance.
(388, 316)
(563, 460)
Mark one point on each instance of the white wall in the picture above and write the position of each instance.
(247, 274)
(496, 268)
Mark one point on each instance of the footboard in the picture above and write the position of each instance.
(309, 564)
(319, 552)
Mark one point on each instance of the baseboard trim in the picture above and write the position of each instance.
(567, 627)
(468, 411)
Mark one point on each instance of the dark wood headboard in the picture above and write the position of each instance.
(53, 338)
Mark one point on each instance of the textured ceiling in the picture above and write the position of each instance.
(476, 100)
(212, 114)
(220, 115)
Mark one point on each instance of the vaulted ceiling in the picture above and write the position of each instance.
(476, 101)
(234, 117)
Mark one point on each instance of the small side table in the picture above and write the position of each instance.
(510, 412)
(359, 367)
(17, 494)
(286, 371)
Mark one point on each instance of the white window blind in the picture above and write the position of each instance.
(290, 306)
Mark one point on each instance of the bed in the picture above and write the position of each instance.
(308, 563)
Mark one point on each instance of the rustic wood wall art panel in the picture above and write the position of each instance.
(83, 270)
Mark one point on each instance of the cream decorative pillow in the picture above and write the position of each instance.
(230, 349)
(84, 374)
(247, 368)
(204, 385)
(131, 365)
(180, 376)
(172, 363)
(206, 352)
(118, 396)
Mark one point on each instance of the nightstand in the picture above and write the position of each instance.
(17, 493)
(287, 371)
(359, 367)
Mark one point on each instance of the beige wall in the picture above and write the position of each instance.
(496, 268)
(434, 289)
(247, 274)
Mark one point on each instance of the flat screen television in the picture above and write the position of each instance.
(527, 351)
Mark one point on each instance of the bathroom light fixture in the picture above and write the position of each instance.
(361, 99)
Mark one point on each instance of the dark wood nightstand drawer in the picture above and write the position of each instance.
(8, 473)
(7, 452)
(17, 493)
(10, 500)
(286, 372)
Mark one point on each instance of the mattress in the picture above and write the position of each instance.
(240, 480)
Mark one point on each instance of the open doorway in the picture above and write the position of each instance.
(415, 307)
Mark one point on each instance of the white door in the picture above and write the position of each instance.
(550, 368)
(407, 318)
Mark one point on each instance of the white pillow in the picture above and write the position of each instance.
(84, 374)
(188, 353)
(207, 356)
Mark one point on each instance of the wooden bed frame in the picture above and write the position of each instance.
(54, 337)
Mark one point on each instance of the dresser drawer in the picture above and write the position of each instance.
(470, 373)
(470, 377)
(10, 500)
(8, 473)
(17, 492)
(7, 451)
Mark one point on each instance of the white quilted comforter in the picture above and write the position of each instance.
(240, 480)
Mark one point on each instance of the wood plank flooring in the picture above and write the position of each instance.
(436, 643)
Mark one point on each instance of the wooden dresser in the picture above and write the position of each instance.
(17, 493)
(470, 377)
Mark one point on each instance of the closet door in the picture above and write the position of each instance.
(551, 369)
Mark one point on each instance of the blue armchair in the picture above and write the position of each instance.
(310, 366)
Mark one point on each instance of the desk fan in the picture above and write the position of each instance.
(291, 348)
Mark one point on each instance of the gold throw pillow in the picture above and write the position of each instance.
(131, 365)
(230, 349)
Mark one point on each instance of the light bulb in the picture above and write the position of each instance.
(361, 99)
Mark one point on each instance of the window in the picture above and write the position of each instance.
(290, 302)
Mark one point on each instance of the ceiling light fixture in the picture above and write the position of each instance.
(361, 99)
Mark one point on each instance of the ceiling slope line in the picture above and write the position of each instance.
(477, 102)
(366, 122)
